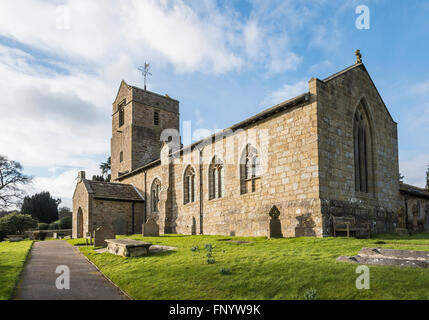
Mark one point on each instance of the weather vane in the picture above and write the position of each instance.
(145, 72)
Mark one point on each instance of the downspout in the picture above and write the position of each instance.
(201, 193)
(406, 211)
(145, 199)
(132, 216)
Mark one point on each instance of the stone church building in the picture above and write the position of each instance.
(331, 151)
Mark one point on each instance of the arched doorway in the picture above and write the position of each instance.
(79, 224)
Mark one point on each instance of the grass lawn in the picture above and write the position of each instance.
(262, 269)
(12, 259)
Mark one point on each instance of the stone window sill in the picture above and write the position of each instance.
(364, 196)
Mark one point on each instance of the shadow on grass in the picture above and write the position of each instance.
(395, 236)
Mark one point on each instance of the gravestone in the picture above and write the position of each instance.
(275, 228)
(389, 257)
(128, 247)
(101, 234)
(120, 226)
(150, 228)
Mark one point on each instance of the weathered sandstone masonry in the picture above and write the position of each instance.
(331, 151)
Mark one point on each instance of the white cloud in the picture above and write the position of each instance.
(288, 91)
(420, 88)
(57, 89)
(414, 169)
(62, 185)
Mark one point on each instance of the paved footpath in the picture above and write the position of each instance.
(38, 281)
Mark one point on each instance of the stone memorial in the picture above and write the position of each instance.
(389, 257)
(127, 247)
(275, 227)
(101, 234)
(150, 228)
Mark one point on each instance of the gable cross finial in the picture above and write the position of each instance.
(358, 56)
(145, 72)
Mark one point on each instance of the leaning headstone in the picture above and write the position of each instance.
(150, 228)
(101, 234)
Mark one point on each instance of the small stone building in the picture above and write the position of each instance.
(96, 203)
(331, 151)
(416, 207)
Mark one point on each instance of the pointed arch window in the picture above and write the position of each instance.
(362, 150)
(250, 169)
(189, 185)
(155, 190)
(216, 179)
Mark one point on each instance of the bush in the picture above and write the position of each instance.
(2, 235)
(38, 235)
(54, 226)
(65, 223)
(16, 223)
(311, 294)
(211, 260)
(42, 226)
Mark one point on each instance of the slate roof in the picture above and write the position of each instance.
(113, 191)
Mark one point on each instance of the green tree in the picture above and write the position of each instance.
(105, 169)
(65, 223)
(98, 178)
(41, 207)
(11, 179)
(64, 212)
(16, 223)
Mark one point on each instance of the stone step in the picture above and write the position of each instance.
(396, 262)
(395, 254)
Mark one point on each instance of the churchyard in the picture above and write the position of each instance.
(220, 267)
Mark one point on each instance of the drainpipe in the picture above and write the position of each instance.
(132, 216)
(406, 211)
(201, 193)
(145, 199)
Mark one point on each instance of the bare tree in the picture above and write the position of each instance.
(11, 179)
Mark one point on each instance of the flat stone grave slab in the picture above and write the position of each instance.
(389, 257)
(155, 248)
(128, 247)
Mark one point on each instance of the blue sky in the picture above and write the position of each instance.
(61, 63)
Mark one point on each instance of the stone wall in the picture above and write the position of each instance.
(338, 99)
(287, 145)
(81, 203)
(139, 138)
(307, 158)
(117, 214)
(96, 212)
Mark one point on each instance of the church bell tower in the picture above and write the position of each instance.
(138, 119)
